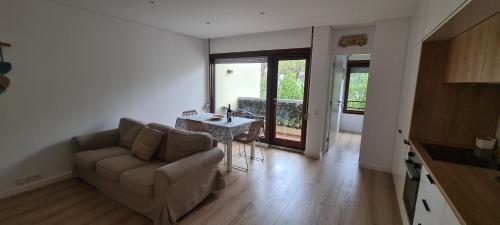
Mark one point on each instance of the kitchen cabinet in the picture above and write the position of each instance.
(491, 70)
(449, 217)
(473, 56)
(466, 55)
(401, 149)
(432, 208)
(407, 95)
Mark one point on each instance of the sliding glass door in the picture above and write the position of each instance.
(242, 83)
(272, 85)
(289, 82)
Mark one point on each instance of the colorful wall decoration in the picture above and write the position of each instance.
(353, 40)
(5, 67)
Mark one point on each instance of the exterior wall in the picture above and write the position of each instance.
(351, 123)
(243, 82)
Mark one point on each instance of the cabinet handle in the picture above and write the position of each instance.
(406, 142)
(426, 206)
(430, 178)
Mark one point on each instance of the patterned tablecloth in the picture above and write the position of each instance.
(220, 129)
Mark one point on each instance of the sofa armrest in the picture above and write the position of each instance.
(96, 140)
(176, 171)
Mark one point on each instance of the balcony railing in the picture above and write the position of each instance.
(289, 112)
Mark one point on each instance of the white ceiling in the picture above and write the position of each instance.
(234, 17)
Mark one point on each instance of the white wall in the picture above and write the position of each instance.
(351, 123)
(295, 38)
(321, 70)
(384, 83)
(77, 72)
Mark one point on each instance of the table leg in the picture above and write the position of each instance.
(229, 155)
(252, 150)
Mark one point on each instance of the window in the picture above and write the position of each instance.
(356, 87)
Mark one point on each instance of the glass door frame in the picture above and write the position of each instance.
(273, 96)
(273, 57)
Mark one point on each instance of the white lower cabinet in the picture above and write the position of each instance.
(449, 217)
(431, 207)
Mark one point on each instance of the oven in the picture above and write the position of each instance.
(412, 180)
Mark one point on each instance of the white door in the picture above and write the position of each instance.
(336, 96)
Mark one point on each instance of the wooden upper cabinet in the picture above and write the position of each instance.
(491, 70)
(474, 56)
(466, 55)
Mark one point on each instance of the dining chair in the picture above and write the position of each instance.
(189, 113)
(249, 138)
(196, 126)
(239, 114)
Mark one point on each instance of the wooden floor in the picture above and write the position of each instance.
(288, 189)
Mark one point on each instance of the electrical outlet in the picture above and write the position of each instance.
(28, 179)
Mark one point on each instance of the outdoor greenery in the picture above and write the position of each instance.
(358, 84)
(291, 82)
(289, 113)
(291, 79)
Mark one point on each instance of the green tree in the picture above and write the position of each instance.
(291, 75)
(290, 88)
(358, 85)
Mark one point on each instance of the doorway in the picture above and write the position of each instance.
(349, 84)
(272, 85)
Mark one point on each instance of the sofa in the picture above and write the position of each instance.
(181, 171)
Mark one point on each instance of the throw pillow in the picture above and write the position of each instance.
(146, 143)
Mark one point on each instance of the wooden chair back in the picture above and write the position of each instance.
(254, 131)
(196, 126)
(239, 114)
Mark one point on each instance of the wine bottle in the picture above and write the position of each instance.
(229, 114)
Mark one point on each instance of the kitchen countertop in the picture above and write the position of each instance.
(472, 192)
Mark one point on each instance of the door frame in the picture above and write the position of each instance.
(272, 59)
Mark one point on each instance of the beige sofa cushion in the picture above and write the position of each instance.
(181, 144)
(112, 168)
(128, 130)
(141, 180)
(160, 154)
(146, 143)
(88, 159)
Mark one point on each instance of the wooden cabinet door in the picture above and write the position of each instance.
(466, 55)
(491, 70)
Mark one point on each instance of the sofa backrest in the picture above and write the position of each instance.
(128, 129)
(177, 144)
(163, 144)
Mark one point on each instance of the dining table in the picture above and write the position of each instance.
(222, 130)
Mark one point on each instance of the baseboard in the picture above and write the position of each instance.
(373, 167)
(36, 184)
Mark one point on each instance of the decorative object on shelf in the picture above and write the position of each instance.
(5, 67)
(352, 40)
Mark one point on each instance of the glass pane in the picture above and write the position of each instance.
(289, 107)
(358, 84)
(242, 83)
